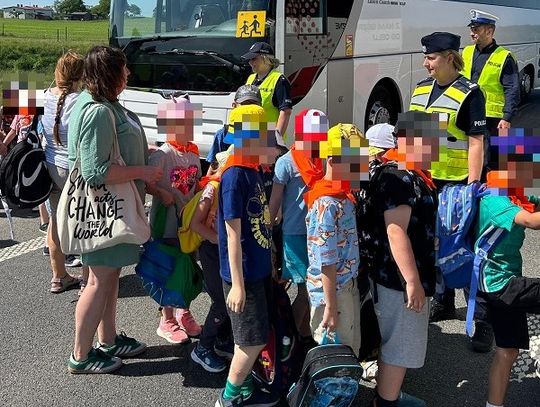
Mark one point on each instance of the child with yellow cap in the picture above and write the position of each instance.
(332, 239)
(245, 240)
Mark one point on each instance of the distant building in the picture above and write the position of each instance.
(28, 12)
(81, 15)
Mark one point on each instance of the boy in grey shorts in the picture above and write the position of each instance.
(403, 206)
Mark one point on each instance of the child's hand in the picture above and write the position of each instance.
(151, 174)
(330, 319)
(416, 297)
(166, 198)
(236, 299)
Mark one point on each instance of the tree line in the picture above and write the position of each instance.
(65, 7)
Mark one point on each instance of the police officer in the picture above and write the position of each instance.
(447, 91)
(495, 70)
(461, 160)
(274, 87)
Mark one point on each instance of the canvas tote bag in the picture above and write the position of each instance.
(91, 218)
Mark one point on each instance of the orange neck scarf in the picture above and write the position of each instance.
(208, 178)
(324, 187)
(516, 195)
(392, 155)
(236, 161)
(310, 170)
(184, 148)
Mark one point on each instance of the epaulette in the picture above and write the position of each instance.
(465, 85)
(425, 81)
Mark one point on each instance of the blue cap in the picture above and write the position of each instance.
(481, 17)
(440, 41)
(258, 48)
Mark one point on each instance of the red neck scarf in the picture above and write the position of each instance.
(184, 148)
(516, 195)
(323, 187)
(310, 170)
(392, 155)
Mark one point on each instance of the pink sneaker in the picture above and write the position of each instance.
(187, 323)
(171, 332)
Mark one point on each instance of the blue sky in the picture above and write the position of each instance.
(9, 3)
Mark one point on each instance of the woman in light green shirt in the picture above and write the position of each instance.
(92, 133)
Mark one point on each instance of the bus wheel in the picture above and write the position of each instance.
(380, 107)
(526, 86)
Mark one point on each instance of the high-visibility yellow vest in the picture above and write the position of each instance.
(489, 79)
(453, 162)
(267, 88)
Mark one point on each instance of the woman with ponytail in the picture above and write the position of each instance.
(59, 102)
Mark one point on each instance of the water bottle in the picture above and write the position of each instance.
(285, 348)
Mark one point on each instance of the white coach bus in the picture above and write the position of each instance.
(356, 60)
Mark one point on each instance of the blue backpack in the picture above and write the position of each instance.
(456, 215)
(459, 257)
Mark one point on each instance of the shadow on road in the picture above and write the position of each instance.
(131, 286)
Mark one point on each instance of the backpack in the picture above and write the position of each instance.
(189, 239)
(456, 216)
(170, 277)
(459, 258)
(278, 365)
(330, 377)
(24, 178)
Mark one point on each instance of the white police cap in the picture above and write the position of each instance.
(481, 17)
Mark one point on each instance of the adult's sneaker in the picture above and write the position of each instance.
(124, 347)
(441, 312)
(482, 340)
(208, 359)
(96, 362)
(261, 398)
(72, 261)
(235, 402)
(537, 365)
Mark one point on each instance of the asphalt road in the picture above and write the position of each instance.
(37, 333)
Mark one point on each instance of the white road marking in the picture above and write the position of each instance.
(21, 248)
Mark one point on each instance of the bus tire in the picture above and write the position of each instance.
(526, 85)
(381, 107)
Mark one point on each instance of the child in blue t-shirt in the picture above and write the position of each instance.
(244, 238)
(294, 173)
(245, 95)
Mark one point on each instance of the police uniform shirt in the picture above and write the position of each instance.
(471, 118)
(509, 78)
(282, 93)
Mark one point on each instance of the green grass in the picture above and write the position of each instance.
(35, 45)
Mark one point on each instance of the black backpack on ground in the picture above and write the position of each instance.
(24, 178)
(278, 365)
(330, 377)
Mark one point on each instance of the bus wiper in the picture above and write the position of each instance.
(218, 57)
(141, 40)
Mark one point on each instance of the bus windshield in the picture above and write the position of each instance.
(186, 45)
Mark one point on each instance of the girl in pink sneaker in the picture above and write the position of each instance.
(179, 159)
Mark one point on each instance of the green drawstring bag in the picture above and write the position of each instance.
(170, 277)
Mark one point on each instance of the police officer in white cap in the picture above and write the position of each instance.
(495, 70)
